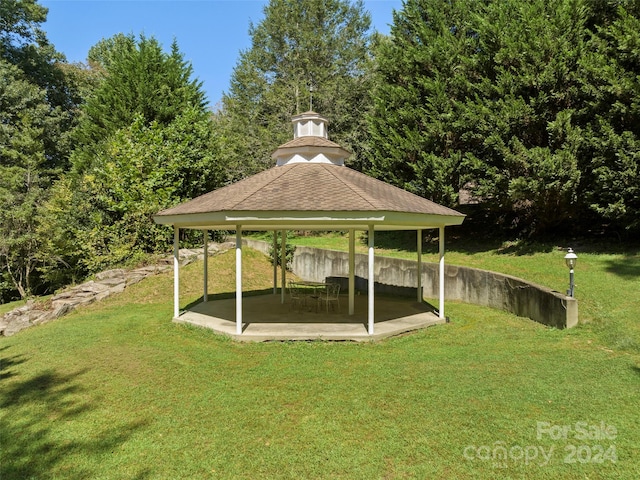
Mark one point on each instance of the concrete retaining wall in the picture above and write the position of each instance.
(469, 285)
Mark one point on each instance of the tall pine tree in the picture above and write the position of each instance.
(307, 54)
(481, 96)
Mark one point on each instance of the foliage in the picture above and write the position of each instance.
(289, 250)
(139, 79)
(20, 23)
(104, 216)
(24, 117)
(23, 43)
(109, 51)
(511, 102)
(318, 45)
(145, 142)
(38, 100)
(611, 151)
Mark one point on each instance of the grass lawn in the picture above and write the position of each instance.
(7, 307)
(116, 390)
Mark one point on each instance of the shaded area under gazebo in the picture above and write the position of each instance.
(267, 318)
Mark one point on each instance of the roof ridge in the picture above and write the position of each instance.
(354, 188)
(256, 190)
(418, 197)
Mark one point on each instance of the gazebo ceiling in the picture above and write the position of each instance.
(320, 196)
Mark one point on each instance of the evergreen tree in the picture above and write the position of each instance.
(307, 54)
(530, 106)
(422, 72)
(610, 157)
(482, 96)
(149, 144)
(139, 79)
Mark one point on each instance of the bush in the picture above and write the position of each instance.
(289, 251)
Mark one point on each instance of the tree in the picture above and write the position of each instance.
(104, 216)
(111, 50)
(610, 157)
(139, 79)
(26, 122)
(422, 76)
(481, 95)
(149, 144)
(305, 54)
(526, 132)
(530, 106)
(23, 43)
(20, 25)
(38, 99)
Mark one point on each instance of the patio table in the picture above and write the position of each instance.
(311, 290)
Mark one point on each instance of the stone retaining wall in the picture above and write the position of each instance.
(102, 286)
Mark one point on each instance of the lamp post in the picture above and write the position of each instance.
(570, 259)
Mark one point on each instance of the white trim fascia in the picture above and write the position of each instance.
(309, 150)
(322, 220)
(315, 219)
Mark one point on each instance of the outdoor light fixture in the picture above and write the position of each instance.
(570, 259)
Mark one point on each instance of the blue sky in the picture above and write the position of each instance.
(210, 33)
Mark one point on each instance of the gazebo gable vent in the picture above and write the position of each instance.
(310, 143)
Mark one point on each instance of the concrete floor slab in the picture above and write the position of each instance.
(267, 319)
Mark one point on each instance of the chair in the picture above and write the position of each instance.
(331, 296)
(296, 297)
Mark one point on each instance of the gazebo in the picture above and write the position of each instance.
(310, 188)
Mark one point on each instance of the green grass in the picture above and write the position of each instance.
(116, 390)
(7, 307)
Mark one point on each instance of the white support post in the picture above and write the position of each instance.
(239, 279)
(352, 272)
(176, 272)
(419, 272)
(283, 264)
(441, 270)
(371, 285)
(275, 263)
(205, 295)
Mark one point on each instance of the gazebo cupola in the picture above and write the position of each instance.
(310, 143)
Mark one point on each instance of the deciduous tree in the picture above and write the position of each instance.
(39, 95)
(148, 143)
(140, 79)
(26, 122)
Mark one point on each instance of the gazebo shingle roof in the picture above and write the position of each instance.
(309, 141)
(311, 188)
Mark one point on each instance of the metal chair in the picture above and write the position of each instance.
(331, 296)
(296, 297)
